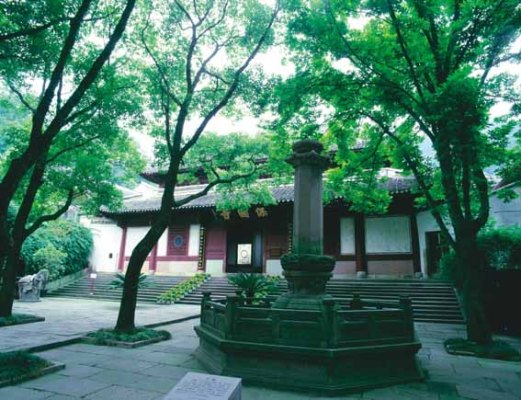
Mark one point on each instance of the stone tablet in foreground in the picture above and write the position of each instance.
(195, 386)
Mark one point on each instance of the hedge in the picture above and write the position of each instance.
(63, 247)
(499, 247)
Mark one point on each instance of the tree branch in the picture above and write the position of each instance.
(51, 217)
(162, 74)
(405, 51)
(419, 178)
(21, 97)
(31, 31)
(91, 75)
(231, 90)
(203, 192)
(57, 73)
(70, 148)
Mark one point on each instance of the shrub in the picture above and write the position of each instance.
(51, 259)
(69, 238)
(499, 247)
(178, 291)
(14, 365)
(107, 336)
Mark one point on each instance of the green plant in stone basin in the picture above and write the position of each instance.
(254, 286)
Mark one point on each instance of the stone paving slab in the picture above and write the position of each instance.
(67, 319)
(97, 372)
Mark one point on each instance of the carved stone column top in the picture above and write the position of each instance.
(308, 152)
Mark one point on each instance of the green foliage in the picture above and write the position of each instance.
(500, 248)
(253, 286)
(16, 319)
(181, 289)
(51, 259)
(119, 281)
(14, 365)
(66, 242)
(108, 336)
(408, 79)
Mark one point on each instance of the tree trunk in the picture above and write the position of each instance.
(127, 309)
(478, 328)
(8, 286)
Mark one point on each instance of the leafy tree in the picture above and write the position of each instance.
(69, 238)
(200, 52)
(416, 72)
(218, 154)
(50, 46)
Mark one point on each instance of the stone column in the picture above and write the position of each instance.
(306, 269)
(308, 225)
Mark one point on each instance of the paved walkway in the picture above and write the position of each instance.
(99, 373)
(69, 318)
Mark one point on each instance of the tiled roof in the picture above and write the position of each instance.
(282, 194)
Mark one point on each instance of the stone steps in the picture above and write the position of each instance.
(101, 290)
(432, 301)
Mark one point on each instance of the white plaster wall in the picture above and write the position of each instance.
(162, 244)
(506, 213)
(344, 268)
(177, 268)
(347, 236)
(388, 235)
(215, 267)
(426, 223)
(134, 235)
(273, 267)
(107, 240)
(193, 241)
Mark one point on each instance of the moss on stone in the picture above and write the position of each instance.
(307, 262)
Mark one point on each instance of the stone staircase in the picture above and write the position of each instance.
(101, 290)
(432, 301)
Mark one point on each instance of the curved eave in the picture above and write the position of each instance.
(209, 206)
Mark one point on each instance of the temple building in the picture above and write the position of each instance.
(404, 242)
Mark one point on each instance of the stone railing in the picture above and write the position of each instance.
(361, 324)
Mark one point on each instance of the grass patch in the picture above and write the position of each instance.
(17, 364)
(110, 336)
(497, 349)
(17, 319)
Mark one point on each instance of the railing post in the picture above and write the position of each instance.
(330, 322)
(240, 297)
(204, 302)
(406, 306)
(356, 302)
(230, 315)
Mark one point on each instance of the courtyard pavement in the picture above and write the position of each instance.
(99, 373)
(67, 319)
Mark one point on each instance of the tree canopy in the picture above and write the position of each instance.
(412, 72)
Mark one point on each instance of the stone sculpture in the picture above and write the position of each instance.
(30, 286)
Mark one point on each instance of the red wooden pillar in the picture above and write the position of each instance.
(121, 261)
(415, 241)
(152, 266)
(360, 256)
